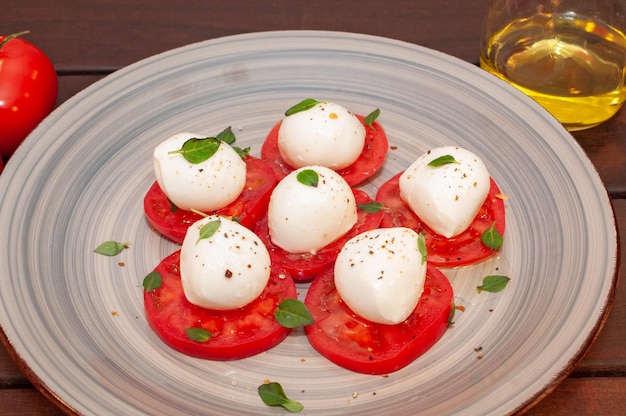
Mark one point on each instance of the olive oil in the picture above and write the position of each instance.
(575, 67)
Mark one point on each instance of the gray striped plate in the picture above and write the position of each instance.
(75, 319)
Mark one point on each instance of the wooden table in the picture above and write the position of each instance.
(88, 40)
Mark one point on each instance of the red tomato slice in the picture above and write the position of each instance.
(304, 266)
(249, 207)
(370, 161)
(236, 334)
(466, 248)
(367, 347)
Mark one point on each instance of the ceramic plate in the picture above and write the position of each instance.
(75, 319)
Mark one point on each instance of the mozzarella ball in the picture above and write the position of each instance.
(227, 270)
(204, 186)
(446, 197)
(380, 274)
(326, 135)
(304, 218)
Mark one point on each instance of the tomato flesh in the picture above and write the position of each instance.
(249, 207)
(371, 348)
(304, 266)
(28, 91)
(467, 247)
(236, 334)
(368, 163)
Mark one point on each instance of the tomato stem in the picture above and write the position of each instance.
(13, 36)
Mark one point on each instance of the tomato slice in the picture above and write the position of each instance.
(249, 207)
(368, 163)
(467, 247)
(304, 266)
(367, 347)
(236, 334)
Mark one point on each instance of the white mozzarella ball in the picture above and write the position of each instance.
(380, 274)
(227, 270)
(304, 218)
(326, 135)
(447, 197)
(204, 186)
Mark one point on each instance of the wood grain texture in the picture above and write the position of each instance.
(110, 34)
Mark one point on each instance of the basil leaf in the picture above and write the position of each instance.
(308, 177)
(197, 150)
(110, 248)
(292, 313)
(273, 394)
(227, 136)
(208, 229)
(492, 238)
(173, 207)
(198, 334)
(442, 160)
(421, 246)
(302, 106)
(152, 281)
(451, 315)
(242, 152)
(371, 207)
(370, 118)
(493, 284)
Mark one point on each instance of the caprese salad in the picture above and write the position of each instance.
(215, 298)
(448, 194)
(381, 305)
(377, 297)
(197, 174)
(327, 134)
(311, 214)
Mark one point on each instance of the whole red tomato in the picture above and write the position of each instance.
(28, 90)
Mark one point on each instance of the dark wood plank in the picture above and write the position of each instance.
(26, 402)
(72, 85)
(606, 147)
(105, 34)
(584, 396)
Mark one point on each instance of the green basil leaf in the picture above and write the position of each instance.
(442, 160)
(370, 118)
(308, 177)
(173, 207)
(110, 248)
(371, 207)
(292, 313)
(198, 334)
(152, 281)
(421, 246)
(273, 394)
(302, 106)
(451, 315)
(493, 284)
(208, 229)
(227, 136)
(242, 152)
(492, 238)
(197, 150)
